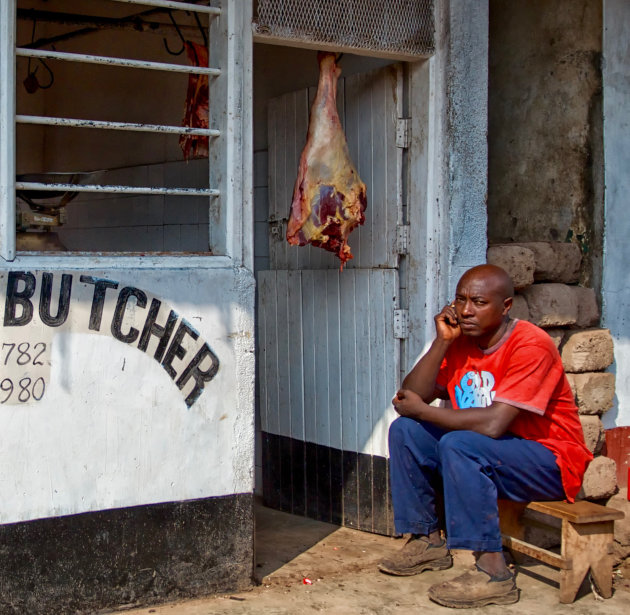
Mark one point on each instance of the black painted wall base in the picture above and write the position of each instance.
(327, 484)
(142, 555)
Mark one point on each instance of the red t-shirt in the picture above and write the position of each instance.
(524, 370)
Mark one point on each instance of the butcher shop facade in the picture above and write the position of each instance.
(167, 353)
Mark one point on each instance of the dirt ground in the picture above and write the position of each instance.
(340, 565)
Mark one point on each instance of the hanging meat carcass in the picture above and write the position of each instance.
(329, 198)
(196, 113)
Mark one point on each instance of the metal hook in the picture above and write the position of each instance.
(31, 83)
(175, 53)
(28, 70)
(52, 76)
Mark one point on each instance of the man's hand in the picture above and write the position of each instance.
(407, 403)
(422, 378)
(447, 324)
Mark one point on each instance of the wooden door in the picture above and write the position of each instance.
(329, 360)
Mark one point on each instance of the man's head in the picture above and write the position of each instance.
(482, 301)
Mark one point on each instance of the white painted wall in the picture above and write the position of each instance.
(616, 283)
(466, 163)
(448, 174)
(112, 429)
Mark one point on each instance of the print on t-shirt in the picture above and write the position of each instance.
(475, 390)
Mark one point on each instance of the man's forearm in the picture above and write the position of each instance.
(492, 421)
(421, 379)
(473, 419)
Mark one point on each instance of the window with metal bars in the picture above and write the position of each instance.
(114, 126)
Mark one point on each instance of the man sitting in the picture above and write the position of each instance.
(513, 433)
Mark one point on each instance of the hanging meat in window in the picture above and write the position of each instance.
(196, 114)
(329, 198)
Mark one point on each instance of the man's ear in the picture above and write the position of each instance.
(507, 304)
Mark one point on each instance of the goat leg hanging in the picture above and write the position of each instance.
(329, 198)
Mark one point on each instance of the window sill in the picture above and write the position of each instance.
(117, 260)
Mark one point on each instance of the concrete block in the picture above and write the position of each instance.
(557, 335)
(555, 261)
(622, 527)
(588, 310)
(594, 434)
(551, 305)
(588, 350)
(518, 261)
(600, 479)
(519, 308)
(593, 391)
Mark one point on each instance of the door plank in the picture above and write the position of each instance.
(347, 317)
(271, 353)
(322, 367)
(363, 359)
(296, 353)
(262, 314)
(334, 356)
(309, 356)
(283, 356)
(302, 256)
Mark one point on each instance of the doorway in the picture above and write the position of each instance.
(329, 341)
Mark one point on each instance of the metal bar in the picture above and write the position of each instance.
(181, 6)
(76, 123)
(90, 59)
(7, 129)
(116, 189)
(134, 21)
(42, 42)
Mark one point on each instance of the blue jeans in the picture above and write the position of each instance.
(473, 471)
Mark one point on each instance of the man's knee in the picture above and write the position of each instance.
(400, 429)
(406, 432)
(458, 442)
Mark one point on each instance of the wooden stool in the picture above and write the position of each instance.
(586, 541)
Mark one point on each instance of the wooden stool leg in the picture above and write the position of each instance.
(510, 514)
(583, 545)
(602, 567)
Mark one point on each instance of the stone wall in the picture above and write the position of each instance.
(545, 276)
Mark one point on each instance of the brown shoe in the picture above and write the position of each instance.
(474, 588)
(417, 555)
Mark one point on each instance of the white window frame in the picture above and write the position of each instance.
(230, 159)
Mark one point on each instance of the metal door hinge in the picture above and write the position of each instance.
(402, 239)
(276, 228)
(401, 324)
(403, 132)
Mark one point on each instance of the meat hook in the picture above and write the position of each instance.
(31, 83)
(174, 53)
(203, 32)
